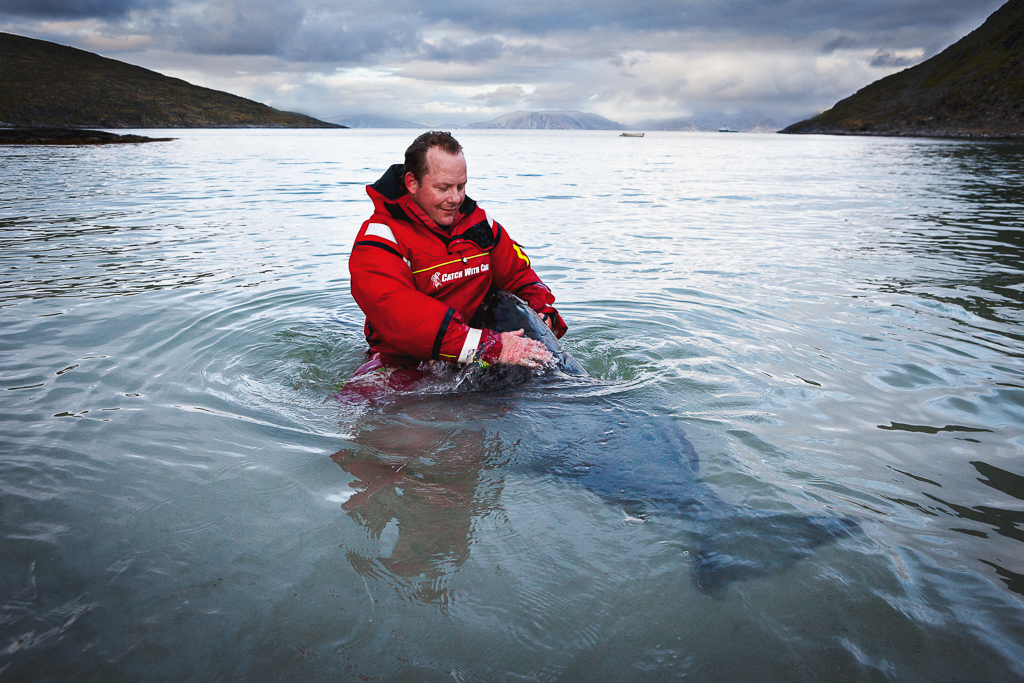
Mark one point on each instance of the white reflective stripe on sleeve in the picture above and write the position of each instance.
(382, 231)
(469, 348)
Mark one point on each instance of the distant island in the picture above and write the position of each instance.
(46, 84)
(372, 121)
(712, 121)
(550, 120)
(972, 89)
(709, 121)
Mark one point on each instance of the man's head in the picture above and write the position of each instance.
(435, 175)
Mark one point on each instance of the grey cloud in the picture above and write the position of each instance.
(292, 32)
(352, 41)
(76, 9)
(502, 95)
(886, 58)
(795, 19)
(843, 42)
(471, 51)
(250, 29)
(358, 30)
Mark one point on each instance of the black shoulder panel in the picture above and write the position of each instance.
(481, 234)
(467, 207)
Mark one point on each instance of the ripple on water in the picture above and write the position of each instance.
(835, 326)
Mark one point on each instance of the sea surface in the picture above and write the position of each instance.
(834, 322)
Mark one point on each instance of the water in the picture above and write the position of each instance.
(834, 322)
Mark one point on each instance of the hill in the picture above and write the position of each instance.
(372, 121)
(553, 120)
(974, 89)
(46, 84)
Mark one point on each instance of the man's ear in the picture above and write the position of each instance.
(411, 184)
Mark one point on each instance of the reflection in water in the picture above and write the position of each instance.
(420, 468)
(1006, 521)
(835, 321)
(430, 483)
(974, 231)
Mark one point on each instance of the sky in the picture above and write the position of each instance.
(464, 61)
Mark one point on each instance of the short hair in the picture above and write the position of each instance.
(416, 154)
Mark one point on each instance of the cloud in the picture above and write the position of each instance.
(229, 28)
(471, 60)
(77, 9)
(446, 50)
(889, 58)
(796, 19)
(502, 95)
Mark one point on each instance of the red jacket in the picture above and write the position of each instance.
(420, 285)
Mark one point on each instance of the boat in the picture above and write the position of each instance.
(727, 130)
(631, 135)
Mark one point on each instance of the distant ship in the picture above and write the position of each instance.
(631, 135)
(727, 130)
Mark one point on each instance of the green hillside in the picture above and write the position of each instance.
(45, 84)
(974, 88)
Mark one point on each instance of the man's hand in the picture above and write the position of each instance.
(548, 320)
(519, 350)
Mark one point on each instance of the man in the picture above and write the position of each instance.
(423, 263)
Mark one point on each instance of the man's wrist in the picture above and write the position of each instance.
(489, 349)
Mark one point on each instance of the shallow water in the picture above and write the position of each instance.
(834, 322)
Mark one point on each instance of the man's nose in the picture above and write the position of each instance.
(452, 195)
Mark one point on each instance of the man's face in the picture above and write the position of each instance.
(443, 188)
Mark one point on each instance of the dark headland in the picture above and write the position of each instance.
(45, 135)
(972, 89)
(43, 84)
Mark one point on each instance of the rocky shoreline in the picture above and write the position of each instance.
(68, 136)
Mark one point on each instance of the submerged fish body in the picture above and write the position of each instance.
(646, 465)
(642, 463)
(636, 459)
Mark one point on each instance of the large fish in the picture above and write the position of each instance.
(630, 456)
(647, 465)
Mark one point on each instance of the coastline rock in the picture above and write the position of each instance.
(68, 136)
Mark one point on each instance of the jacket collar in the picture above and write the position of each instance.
(389, 196)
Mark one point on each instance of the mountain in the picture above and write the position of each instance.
(557, 120)
(974, 88)
(46, 84)
(371, 121)
(744, 121)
